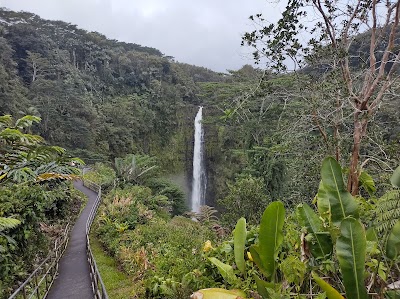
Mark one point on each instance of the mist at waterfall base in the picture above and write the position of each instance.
(199, 174)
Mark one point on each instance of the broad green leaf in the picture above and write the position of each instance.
(392, 294)
(351, 250)
(321, 244)
(263, 286)
(323, 205)
(239, 241)
(367, 182)
(216, 293)
(257, 260)
(331, 292)
(341, 202)
(271, 236)
(393, 242)
(225, 270)
(395, 179)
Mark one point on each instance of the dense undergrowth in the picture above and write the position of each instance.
(266, 134)
(37, 199)
(279, 256)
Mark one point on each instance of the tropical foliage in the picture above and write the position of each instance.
(35, 198)
(277, 224)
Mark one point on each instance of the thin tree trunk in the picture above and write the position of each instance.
(360, 128)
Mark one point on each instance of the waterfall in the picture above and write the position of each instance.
(199, 175)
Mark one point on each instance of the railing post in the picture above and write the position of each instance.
(37, 286)
(99, 291)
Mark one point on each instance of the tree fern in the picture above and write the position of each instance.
(206, 215)
(7, 223)
(388, 210)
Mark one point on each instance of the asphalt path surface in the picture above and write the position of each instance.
(73, 280)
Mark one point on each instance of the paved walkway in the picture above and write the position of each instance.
(73, 281)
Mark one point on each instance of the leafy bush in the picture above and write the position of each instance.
(246, 198)
(101, 174)
(274, 262)
(174, 194)
(161, 256)
(38, 207)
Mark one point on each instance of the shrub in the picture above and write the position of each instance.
(174, 194)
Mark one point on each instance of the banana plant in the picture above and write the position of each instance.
(334, 202)
(330, 291)
(395, 179)
(393, 242)
(340, 211)
(239, 241)
(270, 239)
(351, 251)
(264, 254)
(318, 239)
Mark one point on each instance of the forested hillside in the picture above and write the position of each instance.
(97, 97)
(303, 176)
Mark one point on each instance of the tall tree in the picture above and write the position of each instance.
(334, 43)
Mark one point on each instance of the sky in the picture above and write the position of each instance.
(203, 32)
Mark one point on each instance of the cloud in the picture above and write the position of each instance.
(206, 33)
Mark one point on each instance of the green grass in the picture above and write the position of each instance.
(117, 283)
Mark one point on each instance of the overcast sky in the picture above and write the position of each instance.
(203, 32)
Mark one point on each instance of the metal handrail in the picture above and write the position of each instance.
(38, 284)
(98, 288)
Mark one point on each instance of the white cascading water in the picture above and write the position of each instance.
(199, 175)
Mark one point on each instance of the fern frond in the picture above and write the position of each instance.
(388, 210)
(8, 223)
(6, 120)
(207, 215)
(27, 121)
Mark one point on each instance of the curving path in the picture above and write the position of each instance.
(73, 281)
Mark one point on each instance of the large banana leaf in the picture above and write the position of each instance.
(393, 242)
(392, 294)
(321, 242)
(330, 291)
(239, 241)
(324, 208)
(225, 270)
(263, 286)
(333, 190)
(395, 179)
(351, 250)
(367, 182)
(271, 236)
(257, 260)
